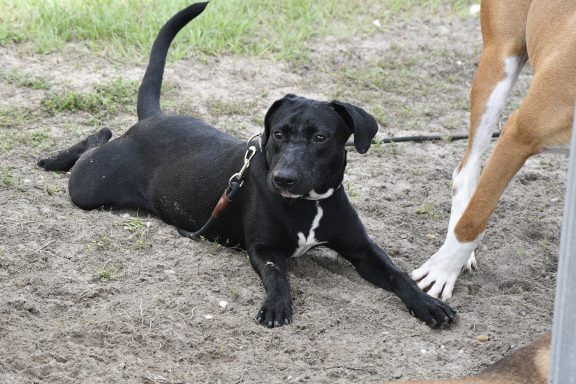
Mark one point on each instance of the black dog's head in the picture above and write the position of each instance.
(305, 141)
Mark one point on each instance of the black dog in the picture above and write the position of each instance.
(292, 198)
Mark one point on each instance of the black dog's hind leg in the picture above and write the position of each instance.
(65, 159)
(271, 266)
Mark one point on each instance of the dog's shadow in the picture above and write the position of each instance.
(322, 263)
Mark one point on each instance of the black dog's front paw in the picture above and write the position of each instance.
(433, 312)
(275, 312)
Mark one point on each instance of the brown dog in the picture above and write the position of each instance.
(513, 31)
(528, 365)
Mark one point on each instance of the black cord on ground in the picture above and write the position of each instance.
(419, 139)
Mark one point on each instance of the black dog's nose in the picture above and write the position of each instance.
(284, 179)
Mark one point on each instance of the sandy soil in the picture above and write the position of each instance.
(102, 297)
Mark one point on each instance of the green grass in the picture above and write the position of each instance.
(139, 233)
(24, 79)
(102, 242)
(250, 27)
(106, 99)
(107, 274)
(135, 225)
(15, 130)
(427, 209)
(218, 107)
(392, 86)
(12, 117)
(5, 177)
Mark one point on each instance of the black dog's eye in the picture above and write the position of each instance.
(319, 138)
(278, 135)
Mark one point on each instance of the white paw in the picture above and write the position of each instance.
(438, 275)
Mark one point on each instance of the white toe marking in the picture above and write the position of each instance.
(306, 243)
(440, 272)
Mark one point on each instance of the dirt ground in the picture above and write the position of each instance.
(102, 297)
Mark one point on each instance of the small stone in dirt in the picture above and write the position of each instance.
(423, 351)
(208, 317)
(482, 338)
(223, 303)
(430, 236)
(169, 272)
(397, 374)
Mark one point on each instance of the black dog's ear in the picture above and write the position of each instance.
(361, 123)
(270, 115)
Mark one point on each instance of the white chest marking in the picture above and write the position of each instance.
(305, 243)
(313, 195)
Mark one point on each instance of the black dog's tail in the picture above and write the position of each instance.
(149, 92)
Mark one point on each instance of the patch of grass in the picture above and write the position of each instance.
(428, 210)
(72, 101)
(414, 172)
(546, 164)
(135, 225)
(141, 243)
(395, 74)
(433, 5)
(52, 190)
(106, 99)
(102, 243)
(14, 131)
(544, 244)
(24, 79)
(380, 114)
(7, 142)
(39, 139)
(234, 293)
(392, 148)
(351, 190)
(5, 177)
(12, 117)
(391, 86)
(255, 27)
(139, 230)
(219, 107)
(107, 274)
